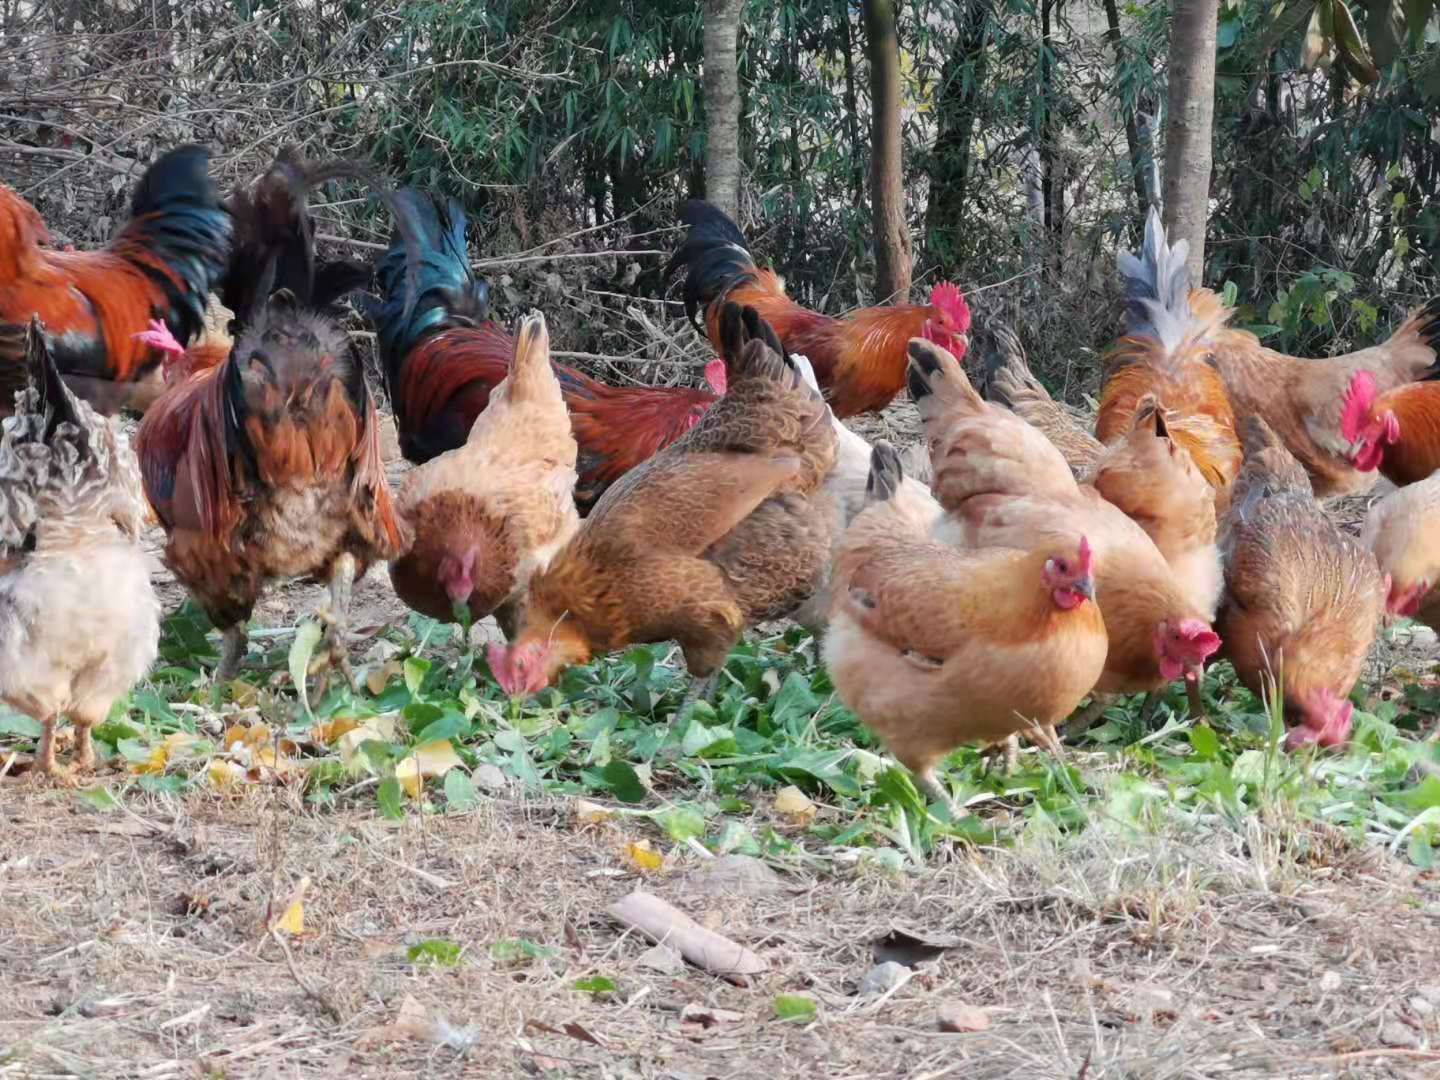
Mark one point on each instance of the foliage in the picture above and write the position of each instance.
(775, 767)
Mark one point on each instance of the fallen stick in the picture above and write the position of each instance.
(663, 923)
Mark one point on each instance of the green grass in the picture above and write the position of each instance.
(610, 733)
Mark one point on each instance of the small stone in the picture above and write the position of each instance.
(1396, 1034)
(488, 777)
(955, 1017)
(1330, 982)
(883, 978)
(1421, 1006)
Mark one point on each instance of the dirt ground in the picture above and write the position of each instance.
(135, 946)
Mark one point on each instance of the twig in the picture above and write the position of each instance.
(319, 997)
(435, 881)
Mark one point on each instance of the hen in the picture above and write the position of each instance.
(724, 528)
(79, 622)
(932, 647)
(859, 359)
(267, 467)
(1010, 382)
(1003, 484)
(1165, 355)
(1303, 600)
(161, 265)
(443, 359)
(488, 514)
(1403, 532)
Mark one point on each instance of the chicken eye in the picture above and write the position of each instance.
(1062, 566)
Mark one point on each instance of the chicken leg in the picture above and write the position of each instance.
(701, 689)
(234, 641)
(928, 785)
(45, 753)
(334, 652)
(84, 756)
(1192, 695)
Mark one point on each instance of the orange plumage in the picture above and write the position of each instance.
(859, 359)
(162, 264)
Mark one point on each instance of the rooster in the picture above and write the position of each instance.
(79, 622)
(859, 359)
(1165, 354)
(1343, 416)
(162, 265)
(1403, 531)
(443, 358)
(267, 467)
(1396, 432)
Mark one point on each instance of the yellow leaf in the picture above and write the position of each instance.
(154, 765)
(292, 921)
(592, 813)
(640, 855)
(379, 728)
(379, 677)
(242, 693)
(331, 730)
(223, 774)
(794, 804)
(434, 758)
(247, 735)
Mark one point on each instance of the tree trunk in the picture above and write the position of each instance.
(887, 187)
(1132, 129)
(958, 104)
(1190, 111)
(852, 107)
(722, 105)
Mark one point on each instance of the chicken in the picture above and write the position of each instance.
(1144, 472)
(1165, 354)
(442, 360)
(267, 467)
(1303, 600)
(161, 265)
(1397, 432)
(274, 238)
(79, 622)
(1325, 411)
(1003, 484)
(1403, 532)
(724, 528)
(491, 512)
(1154, 481)
(933, 647)
(1009, 382)
(859, 359)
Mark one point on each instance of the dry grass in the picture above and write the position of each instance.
(136, 947)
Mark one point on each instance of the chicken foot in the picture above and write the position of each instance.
(234, 641)
(701, 689)
(928, 785)
(48, 768)
(334, 652)
(1087, 717)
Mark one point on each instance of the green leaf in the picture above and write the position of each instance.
(460, 794)
(415, 669)
(435, 952)
(793, 1007)
(597, 984)
(13, 723)
(1204, 741)
(513, 952)
(682, 823)
(624, 782)
(98, 798)
(390, 797)
(307, 636)
(795, 702)
(1383, 32)
(1417, 16)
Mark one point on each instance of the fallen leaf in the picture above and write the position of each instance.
(246, 735)
(415, 1021)
(243, 693)
(904, 945)
(734, 874)
(161, 755)
(434, 758)
(327, 732)
(377, 678)
(795, 804)
(708, 1016)
(591, 813)
(640, 855)
(223, 774)
(292, 919)
(307, 636)
(662, 958)
(955, 1017)
(377, 728)
(794, 1007)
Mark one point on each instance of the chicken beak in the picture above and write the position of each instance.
(1085, 587)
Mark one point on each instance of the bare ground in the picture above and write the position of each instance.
(136, 947)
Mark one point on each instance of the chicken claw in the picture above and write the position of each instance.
(929, 786)
(334, 651)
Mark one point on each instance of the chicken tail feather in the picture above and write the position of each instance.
(714, 255)
(937, 381)
(886, 473)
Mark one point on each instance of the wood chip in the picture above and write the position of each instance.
(664, 923)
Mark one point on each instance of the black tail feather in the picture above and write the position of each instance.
(886, 472)
(55, 403)
(714, 254)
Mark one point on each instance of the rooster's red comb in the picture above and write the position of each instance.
(946, 296)
(1359, 396)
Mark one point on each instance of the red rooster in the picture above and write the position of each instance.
(443, 357)
(267, 467)
(162, 265)
(1397, 431)
(859, 360)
